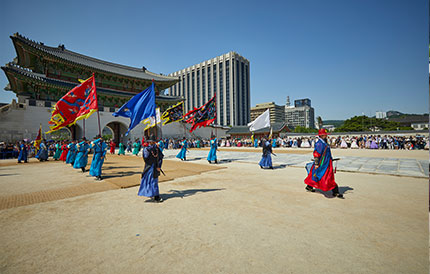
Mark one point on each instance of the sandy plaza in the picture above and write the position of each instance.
(228, 218)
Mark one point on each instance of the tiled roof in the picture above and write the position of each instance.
(73, 57)
(10, 67)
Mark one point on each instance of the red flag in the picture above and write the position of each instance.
(38, 138)
(202, 116)
(90, 105)
(67, 108)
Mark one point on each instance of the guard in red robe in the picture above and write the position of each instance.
(65, 150)
(321, 175)
(112, 147)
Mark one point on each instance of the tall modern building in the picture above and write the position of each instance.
(302, 114)
(277, 113)
(227, 76)
(302, 102)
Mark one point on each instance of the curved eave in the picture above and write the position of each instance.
(89, 63)
(11, 69)
(172, 99)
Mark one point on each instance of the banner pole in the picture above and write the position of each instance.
(98, 116)
(84, 127)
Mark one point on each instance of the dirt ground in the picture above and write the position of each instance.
(238, 219)
(36, 182)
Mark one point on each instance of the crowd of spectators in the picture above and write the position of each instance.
(11, 150)
(342, 142)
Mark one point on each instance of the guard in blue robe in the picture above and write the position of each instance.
(274, 142)
(22, 153)
(256, 143)
(43, 152)
(153, 158)
(81, 159)
(71, 155)
(100, 148)
(266, 159)
(182, 154)
(57, 151)
(212, 152)
(161, 145)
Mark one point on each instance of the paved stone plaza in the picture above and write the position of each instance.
(374, 165)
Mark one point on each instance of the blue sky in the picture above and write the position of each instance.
(347, 56)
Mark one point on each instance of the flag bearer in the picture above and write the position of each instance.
(212, 152)
(266, 159)
(100, 149)
(321, 174)
(153, 158)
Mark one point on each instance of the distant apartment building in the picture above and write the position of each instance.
(302, 114)
(227, 76)
(381, 114)
(277, 113)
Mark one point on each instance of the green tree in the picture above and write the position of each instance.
(320, 122)
(364, 123)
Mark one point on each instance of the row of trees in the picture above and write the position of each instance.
(357, 124)
(364, 123)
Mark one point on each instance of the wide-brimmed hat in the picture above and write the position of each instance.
(323, 131)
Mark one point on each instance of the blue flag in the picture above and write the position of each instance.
(140, 107)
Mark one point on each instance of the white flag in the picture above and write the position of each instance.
(262, 121)
(152, 121)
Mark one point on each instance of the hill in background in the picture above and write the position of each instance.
(336, 123)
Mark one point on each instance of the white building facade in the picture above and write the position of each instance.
(227, 76)
(302, 114)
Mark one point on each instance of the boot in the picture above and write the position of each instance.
(309, 188)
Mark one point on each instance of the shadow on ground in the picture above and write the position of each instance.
(14, 174)
(188, 192)
(223, 161)
(280, 166)
(329, 194)
(194, 159)
(120, 174)
(120, 167)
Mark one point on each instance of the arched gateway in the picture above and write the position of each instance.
(41, 75)
(118, 131)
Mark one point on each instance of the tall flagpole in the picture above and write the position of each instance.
(84, 127)
(98, 116)
(98, 113)
(216, 128)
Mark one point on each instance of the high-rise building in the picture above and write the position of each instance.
(302, 102)
(302, 114)
(277, 113)
(227, 76)
(381, 114)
